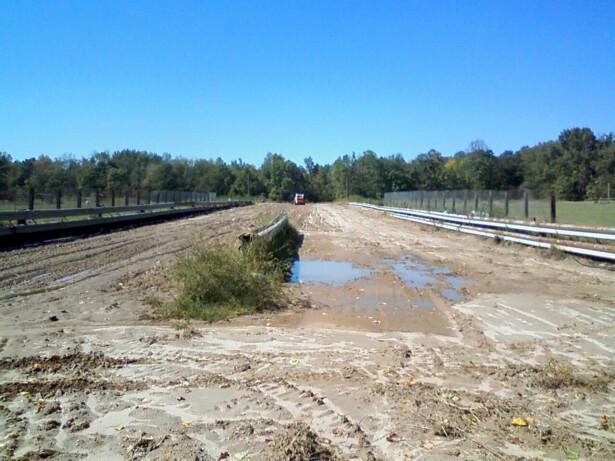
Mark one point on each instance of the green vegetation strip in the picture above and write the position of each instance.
(220, 282)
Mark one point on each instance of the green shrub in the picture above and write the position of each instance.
(219, 282)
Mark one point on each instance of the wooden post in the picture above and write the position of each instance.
(149, 195)
(553, 208)
(453, 207)
(421, 199)
(444, 201)
(428, 201)
(158, 196)
(126, 197)
(526, 204)
(435, 200)
(79, 198)
(465, 201)
(475, 201)
(112, 197)
(138, 196)
(490, 203)
(506, 202)
(97, 198)
(58, 199)
(31, 199)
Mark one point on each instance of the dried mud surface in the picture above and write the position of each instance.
(519, 365)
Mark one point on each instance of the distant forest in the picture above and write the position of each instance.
(576, 166)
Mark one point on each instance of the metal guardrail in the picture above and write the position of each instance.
(267, 232)
(151, 214)
(29, 215)
(481, 228)
(557, 231)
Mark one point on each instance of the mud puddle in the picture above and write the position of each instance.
(336, 273)
(402, 294)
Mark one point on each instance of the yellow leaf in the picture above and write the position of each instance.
(186, 423)
(518, 421)
(119, 427)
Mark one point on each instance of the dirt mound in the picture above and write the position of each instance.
(299, 443)
(49, 388)
(170, 446)
(64, 363)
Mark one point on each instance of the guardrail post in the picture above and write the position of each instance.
(79, 198)
(553, 208)
(506, 202)
(526, 204)
(475, 201)
(31, 199)
(490, 203)
(97, 198)
(126, 197)
(58, 199)
(465, 201)
(112, 197)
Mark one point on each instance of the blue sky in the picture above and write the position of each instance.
(321, 78)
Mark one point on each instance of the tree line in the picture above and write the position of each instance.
(578, 165)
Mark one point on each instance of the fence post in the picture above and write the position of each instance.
(421, 206)
(475, 201)
(526, 204)
(157, 196)
(506, 200)
(428, 201)
(126, 197)
(465, 201)
(112, 197)
(490, 203)
(435, 201)
(149, 195)
(59, 199)
(138, 196)
(453, 206)
(444, 201)
(31, 199)
(79, 198)
(97, 198)
(553, 208)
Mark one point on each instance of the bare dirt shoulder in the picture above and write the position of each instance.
(426, 376)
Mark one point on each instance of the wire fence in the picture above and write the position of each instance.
(513, 204)
(25, 198)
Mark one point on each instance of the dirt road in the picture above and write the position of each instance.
(410, 343)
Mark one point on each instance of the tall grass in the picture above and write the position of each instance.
(219, 282)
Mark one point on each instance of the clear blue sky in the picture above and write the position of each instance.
(320, 78)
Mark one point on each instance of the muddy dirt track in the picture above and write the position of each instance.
(420, 345)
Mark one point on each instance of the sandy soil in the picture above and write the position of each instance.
(386, 366)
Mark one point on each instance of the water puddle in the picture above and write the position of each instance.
(336, 273)
(415, 274)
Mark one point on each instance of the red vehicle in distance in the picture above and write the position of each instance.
(299, 199)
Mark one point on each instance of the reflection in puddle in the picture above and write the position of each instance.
(335, 273)
(451, 294)
(415, 275)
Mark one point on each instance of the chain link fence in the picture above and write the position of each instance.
(513, 204)
(25, 198)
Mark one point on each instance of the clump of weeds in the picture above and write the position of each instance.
(219, 282)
